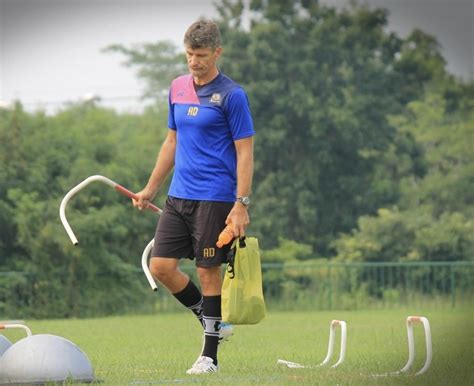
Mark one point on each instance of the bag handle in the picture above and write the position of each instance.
(243, 263)
(232, 253)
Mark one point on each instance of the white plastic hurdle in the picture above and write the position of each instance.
(146, 253)
(5, 343)
(16, 325)
(82, 185)
(332, 332)
(121, 190)
(411, 347)
(411, 344)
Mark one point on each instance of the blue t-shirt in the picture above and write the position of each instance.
(207, 123)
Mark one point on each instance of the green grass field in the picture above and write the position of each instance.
(158, 349)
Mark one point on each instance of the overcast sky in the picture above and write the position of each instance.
(50, 49)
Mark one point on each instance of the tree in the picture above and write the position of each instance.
(158, 64)
(434, 221)
(42, 158)
(321, 83)
(446, 139)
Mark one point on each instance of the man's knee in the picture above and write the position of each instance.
(210, 280)
(163, 270)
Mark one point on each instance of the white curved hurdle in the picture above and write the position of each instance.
(146, 253)
(118, 188)
(82, 185)
(5, 344)
(291, 365)
(332, 332)
(411, 347)
(411, 344)
(16, 325)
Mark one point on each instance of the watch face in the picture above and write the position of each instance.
(244, 200)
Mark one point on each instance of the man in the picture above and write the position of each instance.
(210, 146)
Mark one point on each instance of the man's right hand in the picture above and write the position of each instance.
(144, 197)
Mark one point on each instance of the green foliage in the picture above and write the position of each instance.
(320, 110)
(414, 235)
(326, 150)
(288, 251)
(42, 158)
(447, 141)
(436, 207)
(158, 64)
(290, 284)
(363, 151)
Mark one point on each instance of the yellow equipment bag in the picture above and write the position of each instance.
(242, 295)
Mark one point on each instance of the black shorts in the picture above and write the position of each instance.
(189, 229)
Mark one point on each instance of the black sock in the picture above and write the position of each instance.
(191, 298)
(212, 321)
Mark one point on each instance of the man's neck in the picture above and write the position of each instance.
(208, 78)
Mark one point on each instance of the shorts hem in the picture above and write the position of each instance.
(172, 257)
(211, 265)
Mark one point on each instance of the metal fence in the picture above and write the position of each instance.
(313, 285)
(368, 285)
(309, 285)
(350, 286)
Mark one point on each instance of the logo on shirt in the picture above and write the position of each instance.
(216, 98)
(193, 111)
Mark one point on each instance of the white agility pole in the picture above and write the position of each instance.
(118, 188)
(342, 353)
(146, 253)
(411, 344)
(16, 325)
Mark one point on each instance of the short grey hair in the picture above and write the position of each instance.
(202, 34)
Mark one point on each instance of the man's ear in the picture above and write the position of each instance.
(218, 52)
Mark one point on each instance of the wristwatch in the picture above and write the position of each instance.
(244, 200)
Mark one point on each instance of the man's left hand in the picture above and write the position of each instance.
(239, 218)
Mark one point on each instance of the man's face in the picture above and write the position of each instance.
(202, 60)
